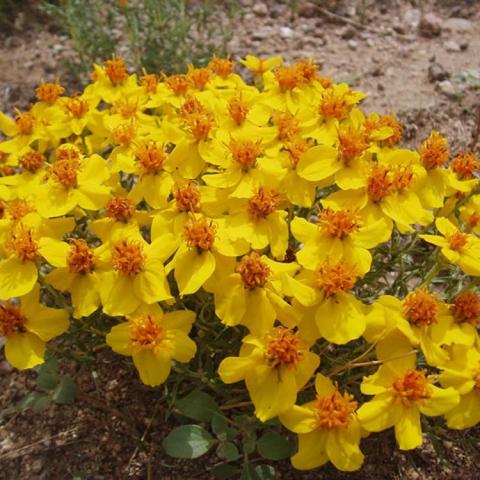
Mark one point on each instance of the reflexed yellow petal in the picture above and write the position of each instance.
(84, 295)
(323, 385)
(119, 339)
(408, 430)
(151, 285)
(343, 450)
(24, 350)
(318, 163)
(54, 251)
(467, 413)
(230, 302)
(299, 419)
(184, 348)
(306, 368)
(234, 369)
(153, 368)
(179, 320)
(193, 269)
(441, 401)
(311, 450)
(379, 414)
(16, 277)
(47, 323)
(117, 294)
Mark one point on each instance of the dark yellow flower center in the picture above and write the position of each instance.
(187, 198)
(25, 122)
(384, 181)
(473, 220)
(49, 92)
(253, 271)
(434, 151)
(466, 308)
(151, 157)
(120, 208)
(199, 77)
(124, 133)
(125, 108)
(191, 105)
(238, 109)
(352, 142)
(146, 333)
(420, 308)
(457, 240)
(32, 161)
(333, 105)
(149, 81)
(200, 234)
(17, 209)
(287, 124)
(465, 165)
(338, 223)
(476, 378)
(116, 70)
(245, 152)
(81, 258)
(23, 244)
(296, 148)
(282, 348)
(335, 411)
(333, 278)
(11, 320)
(200, 124)
(288, 78)
(179, 84)
(64, 171)
(222, 67)
(76, 107)
(128, 257)
(412, 388)
(263, 203)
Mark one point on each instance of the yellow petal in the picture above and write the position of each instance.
(408, 430)
(441, 401)
(466, 414)
(84, 295)
(318, 163)
(234, 369)
(116, 293)
(152, 368)
(311, 450)
(54, 251)
(192, 270)
(17, 278)
(343, 449)
(24, 350)
(184, 348)
(119, 339)
(378, 414)
(151, 285)
(299, 419)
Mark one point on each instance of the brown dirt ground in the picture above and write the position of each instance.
(377, 48)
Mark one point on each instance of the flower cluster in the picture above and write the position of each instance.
(273, 202)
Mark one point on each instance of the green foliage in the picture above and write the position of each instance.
(273, 446)
(187, 441)
(158, 35)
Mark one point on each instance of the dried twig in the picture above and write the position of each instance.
(348, 21)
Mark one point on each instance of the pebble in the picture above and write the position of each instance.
(348, 32)
(449, 90)
(430, 25)
(437, 72)
(307, 9)
(452, 46)
(412, 18)
(286, 33)
(455, 24)
(352, 44)
(260, 9)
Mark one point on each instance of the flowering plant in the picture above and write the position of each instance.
(223, 234)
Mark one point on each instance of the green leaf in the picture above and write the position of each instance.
(42, 402)
(197, 405)
(273, 446)
(249, 473)
(65, 392)
(219, 424)
(265, 472)
(249, 443)
(28, 400)
(231, 433)
(228, 451)
(225, 471)
(48, 375)
(187, 441)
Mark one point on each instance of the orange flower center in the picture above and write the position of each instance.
(187, 199)
(420, 308)
(282, 348)
(473, 219)
(22, 243)
(307, 69)
(253, 271)
(124, 133)
(199, 77)
(263, 203)
(149, 81)
(412, 388)
(245, 152)
(338, 224)
(335, 278)
(32, 161)
(49, 92)
(392, 122)
(287, 124)
(238, 109)
(191, 105)
(76, 107)
(434, 151)
(65, 170)
(151, 158)
(81, 258)
(179, 84)
(222, 67)
(125, 108)
(335, 411)
(19, 208)
(334, 106)
(457, 240)
(466, 308)
(25, 122)
(288, 78)
(352, 142)
(116, 70)
(128, 257)
(199, 124)
(11, 320)
(465, 165)
(296, 148)
(120, 208)
(146, 333)
(200, 234)
(379, 183)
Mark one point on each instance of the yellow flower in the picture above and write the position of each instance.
(154, 339)
(327, 428)
(27, 325)
(462, 372)
(275, 367)
(457, 247)
(258, 66)
(401, 394)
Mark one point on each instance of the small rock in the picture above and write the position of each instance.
(37, 466)
(12, 42)
(5, 367)
(449, 89)
(286, 33)
(370, 42)
(276, 11)
(399, 28)
(307, 9)
(430, 25)
(378, 71)
(452, 46)
(464, 45)
(437, 73)
(380, 87)
(411, 18)
(352, 44)
(261, 33)
(455, 24)
(260, 10)
(348, 32)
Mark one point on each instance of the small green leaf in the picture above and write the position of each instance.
(249, 473)
(197, 405)
(228, 451)
(28, 400)
(249, 443)
(265, 472)
(231, 433)
(48, 375)
(65, 392)
(273, 446)
(225, 471)
(187, 441)
(42, 402)
(219, 424)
